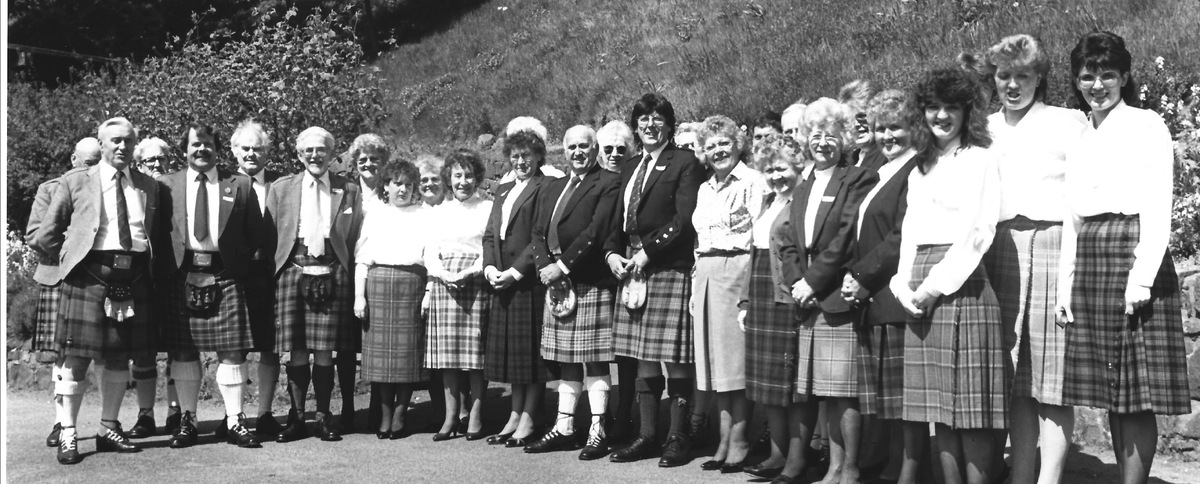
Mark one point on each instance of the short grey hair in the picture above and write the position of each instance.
(117, 121)
(372, 142)
(580, 127)
(146, 144)
(250, 126)
(620, 130)
(330, 142)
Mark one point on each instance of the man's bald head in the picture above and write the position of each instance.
(87, 152)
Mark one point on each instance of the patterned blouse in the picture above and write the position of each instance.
(725, 210)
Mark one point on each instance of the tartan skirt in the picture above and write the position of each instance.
(259, 287)
(393, 344)
(45, 323)
(84, 330)
(457, 319)
(512, 352)
(1022, 267)
(770, 338)
(303, 327)
(1124, 364)
(954, 361)
(825, 355)
(224, 328)
(585, 336)
(661, 330)
(881, 370)
(720, 345)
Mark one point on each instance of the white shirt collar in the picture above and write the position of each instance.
(308, 178)
(260, 177)
(192, 173)
(108, 172)
(656, 153)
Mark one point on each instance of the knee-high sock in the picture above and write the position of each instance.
(113, 384)
(268, 380)
(231, 381)
(568, 397)
(649, 392)
(187, 380)
(597, 388)
(680, 390)
(298, 378)
(144, 378)
(322, 379)
(347, 368)
(70, 396)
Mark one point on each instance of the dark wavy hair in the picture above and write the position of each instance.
(467, 160)
(769, 119)
(527, 140)
(955, 87)
(397, 169)
(1101, 50)
(201, 128)
(653, 102)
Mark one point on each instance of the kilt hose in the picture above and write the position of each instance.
(45, 323)
(259, 288)
(954, 360)
(304, 327)
(512, 344)
(771, 339)
(457, 319)
(661, 330)
(393, 345)
(1124, 364)
(1022, 266)
(586, 335)
(226, 327)
(881, 370)
(720, 345)
(84, 330)
(825, 365)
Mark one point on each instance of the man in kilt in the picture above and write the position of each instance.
(87, 153)
(99, 226)
(576, 216)
(316, 217)
(658, 195)
(213, 234)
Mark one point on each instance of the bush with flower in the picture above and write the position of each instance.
(1175, 95)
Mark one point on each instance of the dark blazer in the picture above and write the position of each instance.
(822, 267)
(240, 223)
(68, 230)
(588, 218)
(515, 250)
(283, 219)
(874, 160)
(664, 215)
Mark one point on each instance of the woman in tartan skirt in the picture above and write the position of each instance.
(457, 302)
(1125, 350)
(954, 362)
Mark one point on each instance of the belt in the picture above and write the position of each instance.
(723, 253)
(1104, 217)
(117, 258)
(414, 268)
(1021, 222)
(202, 261)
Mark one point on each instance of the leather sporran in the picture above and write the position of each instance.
(203, 292)
(560, 298)
(317, 283)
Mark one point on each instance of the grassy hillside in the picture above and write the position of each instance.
(573, 61)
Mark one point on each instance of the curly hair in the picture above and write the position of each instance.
(465, 159)
(856, 94)
(951, 87)
(775, 147)
(1098, 51)
(828, 115)
(251, 126)
(894, 106)
(527, 140)
(718, 125)
(400, 169)
(369, 142)
(199, 128)
(1021, 50)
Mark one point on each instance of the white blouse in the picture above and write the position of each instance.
(761, 232)
(456, 228)
(957, 202)
(816, 193)
(726, 208)
(393, 236)
(1032, 160)
(1124, 166)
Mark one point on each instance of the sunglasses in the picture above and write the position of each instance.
(609, 149)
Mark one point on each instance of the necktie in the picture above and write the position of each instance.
(314, 221)
(123, 214)
(635, 198)
(552, 239)
(200, 221)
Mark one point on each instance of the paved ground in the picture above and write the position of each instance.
(362, 458)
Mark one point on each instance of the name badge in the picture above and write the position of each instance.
(202, 260)
(827, 199)
(121, 261)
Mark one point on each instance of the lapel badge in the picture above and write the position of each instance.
(228, 190)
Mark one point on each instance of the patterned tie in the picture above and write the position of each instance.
(123, 214)
(200, 221)
(314, 221)
(635, 197)
(552, 239)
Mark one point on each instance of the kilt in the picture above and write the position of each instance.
(881, 370)
(302, 327)
(954, 360)
(457, 319)
(1119, 363)
(393, 345)
(513, 339)
(662, 329)
(224, 328)
(259, 287)
(45, 323)
(586, 336)
(1022, 267)
(825, 356)
(720, 345)
(83, 329)
(770, 339)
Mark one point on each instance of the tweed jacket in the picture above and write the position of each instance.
(283, 219)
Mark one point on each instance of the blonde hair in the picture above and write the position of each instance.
(826, 114)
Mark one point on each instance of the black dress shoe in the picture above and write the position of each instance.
(172, 424)
(733, 467)
(53, 439)
(782, 479)
(383, 434)
(326, 431)
(238, 435)
(641, 448)
(712, 465)
(499, 439)
(553, 441)
(346, 421)
(68, 451)
(676, 451)
(294, 430)
(144, 427)
(763, 472)
(114, 440)
(187, 434)
(597, 447)
(521, 442)
(266, 424)
(221, 431)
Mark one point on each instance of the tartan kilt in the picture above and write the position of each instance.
(224, 328)
(512, 342)
(585, 336)
(720, 345)
(825, 365)
(302, 327)
(1022, 267)
(662, 329)
(83, 329)
(393, 348)
(881, 370)
(770, 338)
(45, 323)
(259, 287)
(457, 319)
(954, 361)
(1115, 362)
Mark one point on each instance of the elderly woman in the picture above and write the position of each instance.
(1130, 362)
(1030, 145)
(458, 303)
(953, 346)
(687, 137)
(616, 145)
(814, 248)
(369, 152)
(430, 185)
(873, 259)
(389, 283)
(855, 95)
(514, 334)
(153, 156)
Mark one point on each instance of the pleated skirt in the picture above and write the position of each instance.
(514, 335)
(825, 365)
(880, 358)
(45, 324)
(394, 334)
(771, 339)
(457, 319)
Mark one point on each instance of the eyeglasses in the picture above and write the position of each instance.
(314, 150)
(646, 120)
(819, 136)
(526, 157)
(718, 144)
(154, 160)
(687, 146)
(609, 149)
(1106, 78)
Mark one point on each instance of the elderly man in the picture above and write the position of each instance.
(316, 217)
(575, 218)
(99, 226)
(152, 156)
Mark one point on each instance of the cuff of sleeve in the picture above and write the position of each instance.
(563, 267)
(515, 274)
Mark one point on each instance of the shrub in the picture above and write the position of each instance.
(22, 295)
(1175, 95)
